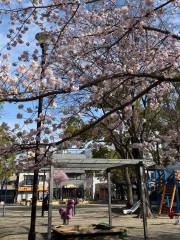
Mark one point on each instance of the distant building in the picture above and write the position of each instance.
(82, 183)
(25, 186)
(8, 189)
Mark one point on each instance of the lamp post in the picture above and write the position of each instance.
(42, 38)
(6, 167)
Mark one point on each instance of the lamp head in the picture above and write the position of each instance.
(43, 37)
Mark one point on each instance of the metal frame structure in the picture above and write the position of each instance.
(141, 172)
(93, 164)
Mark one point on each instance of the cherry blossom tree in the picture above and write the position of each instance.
(60, 177)
(96, 49)
(139, 132)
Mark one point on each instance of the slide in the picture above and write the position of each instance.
(133, 209)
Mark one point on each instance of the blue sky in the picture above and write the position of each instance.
(8, 114)
(9, 111)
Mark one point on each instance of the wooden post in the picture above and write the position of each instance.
(109, 197)
(172, 197)
(50, 201)
(143, 200)
(162, 200)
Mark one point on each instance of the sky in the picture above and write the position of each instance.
(10, 110)
(8, 114)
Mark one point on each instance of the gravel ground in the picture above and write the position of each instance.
(15, 224)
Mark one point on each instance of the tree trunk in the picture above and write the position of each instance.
(148, 209)
(16, 188)
(32, 233)
(129, 188)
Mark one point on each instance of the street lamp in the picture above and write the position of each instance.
(44, 39)
(6, 167)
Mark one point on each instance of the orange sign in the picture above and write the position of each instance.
(30, 188)
(25, 189)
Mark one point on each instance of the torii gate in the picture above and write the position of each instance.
(65, 162)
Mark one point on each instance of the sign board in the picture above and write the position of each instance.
(25, 189)
(30, 188)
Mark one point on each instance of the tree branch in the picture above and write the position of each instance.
(90, 84)
(149, 28)
(92, 124)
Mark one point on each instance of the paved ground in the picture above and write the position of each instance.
(15, 224)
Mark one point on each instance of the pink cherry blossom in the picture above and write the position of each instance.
(60, 176)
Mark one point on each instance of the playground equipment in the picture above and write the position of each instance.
(66, 214)
(93, 232)
(163, 186)
(170, 202)
(156, 176)
(133, 209)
